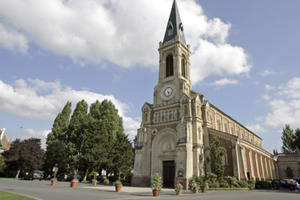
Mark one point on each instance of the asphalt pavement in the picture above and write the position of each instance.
(42, 190)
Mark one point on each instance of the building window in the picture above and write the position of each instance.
(219, 124)
(183, 68)
(226, 127)
(232, 131)
(169, 66)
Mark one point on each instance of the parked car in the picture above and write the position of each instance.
(35, 174)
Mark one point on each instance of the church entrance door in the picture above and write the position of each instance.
(168, 174)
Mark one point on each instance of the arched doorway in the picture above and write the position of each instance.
(164, 156)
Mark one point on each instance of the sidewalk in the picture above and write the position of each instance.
(128, 189)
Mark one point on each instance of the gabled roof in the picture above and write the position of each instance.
(174, 27)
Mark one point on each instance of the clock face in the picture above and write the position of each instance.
(168, 91)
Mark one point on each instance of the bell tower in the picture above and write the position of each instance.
(174, 62)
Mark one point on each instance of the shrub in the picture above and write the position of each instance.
(232, 181)
(251, 184)
(263, 185)
(224, 184)
(243, 184)
(211, 178)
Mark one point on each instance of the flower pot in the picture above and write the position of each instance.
(106, 182)
(74, 184)
(155, 192)
(118, 188)
(94, 182)
(53, 182)
(196, 190)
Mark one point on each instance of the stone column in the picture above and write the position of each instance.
(251, 165)
(267, 172)
(257, 167)
(262, 167)
(244, 164)
(236, 166)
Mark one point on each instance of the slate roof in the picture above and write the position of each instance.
(174, 26)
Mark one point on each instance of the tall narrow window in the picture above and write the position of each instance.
(169, 66)
(183, 68)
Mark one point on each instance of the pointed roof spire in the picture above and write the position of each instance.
(175, 27)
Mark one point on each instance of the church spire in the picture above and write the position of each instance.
(175, 27)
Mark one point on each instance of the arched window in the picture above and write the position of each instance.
(169, 66)
(183, 68)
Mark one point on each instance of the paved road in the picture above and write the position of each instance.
(62, 191)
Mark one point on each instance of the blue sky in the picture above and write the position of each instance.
(245, 59)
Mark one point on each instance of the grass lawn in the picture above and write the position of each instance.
(10, 196)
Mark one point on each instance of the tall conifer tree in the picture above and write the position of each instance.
(288, 138)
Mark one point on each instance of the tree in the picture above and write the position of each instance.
(111, 125)
(55, 153)
(217, 153)
(297, 139)
(24, 155)
(122, 155)
(288, 138)
(2, 166)
(77, 135)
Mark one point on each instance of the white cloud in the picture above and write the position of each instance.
(266, 97)
(284, 105)
(256, 128)
(12, 39)
(267, 73)
(224, 81)
(125, 33)
(218, 59)
(269, 87)
(24, 99)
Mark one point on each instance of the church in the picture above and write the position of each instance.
(177, 128)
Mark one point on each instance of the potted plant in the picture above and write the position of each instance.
(106, 181)
(94, 181)
(118, 186)
(54, 179)
(74, 181)
(194, 186)
(156, 184)
(178, 189)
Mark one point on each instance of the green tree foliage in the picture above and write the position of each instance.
(77, 135)
(24, 155)
(2, 166)
(56, 152)
(91, 141)
(288, 140)
(217, 153)
(297, 139)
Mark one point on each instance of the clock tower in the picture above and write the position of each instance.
(174, 62)
(170, 139)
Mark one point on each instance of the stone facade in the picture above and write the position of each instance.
(177, 129)
(4, 143)
(283, 161)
